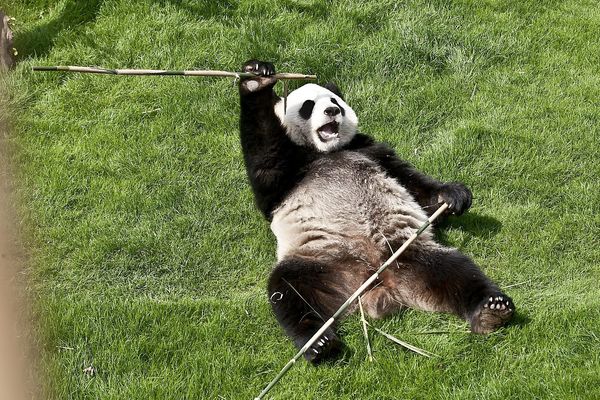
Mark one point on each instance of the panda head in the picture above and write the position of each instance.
(317, 117)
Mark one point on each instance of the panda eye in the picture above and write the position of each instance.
(307, 109)
(334, 101)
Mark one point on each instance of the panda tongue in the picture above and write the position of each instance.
(329, 130)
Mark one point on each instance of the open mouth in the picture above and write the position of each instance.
(328, 131)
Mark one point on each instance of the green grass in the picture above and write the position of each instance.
(149, 261)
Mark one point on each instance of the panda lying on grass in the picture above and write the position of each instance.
(339, 203)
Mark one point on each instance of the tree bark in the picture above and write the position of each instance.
(6, 44)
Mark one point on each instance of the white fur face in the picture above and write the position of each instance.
(317, 118)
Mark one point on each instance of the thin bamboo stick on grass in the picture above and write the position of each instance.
(365, 331)
(107, 71)
(517, 284)
(406, 345)
(439, 332)
(350, 300)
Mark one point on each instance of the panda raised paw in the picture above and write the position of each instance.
(264, 78)
(493, 312)
(260, 68)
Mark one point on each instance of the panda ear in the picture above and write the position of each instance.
(332, 87)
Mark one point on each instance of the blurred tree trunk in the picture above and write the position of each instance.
(6, 43)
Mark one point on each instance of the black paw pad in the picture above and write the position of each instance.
(493, 312)
(325, 347)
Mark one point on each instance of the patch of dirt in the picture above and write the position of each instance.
(16, 350)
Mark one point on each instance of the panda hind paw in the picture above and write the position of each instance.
(492, 313)
(326, 347)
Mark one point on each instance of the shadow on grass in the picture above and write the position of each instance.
(519, 320)
(341, 356)
(472, 223)
(40, 40)
(317, 10)
(204, 9)
(223, 9)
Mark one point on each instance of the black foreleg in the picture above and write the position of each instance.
(427, 191)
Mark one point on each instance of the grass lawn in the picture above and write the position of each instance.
(148, 260)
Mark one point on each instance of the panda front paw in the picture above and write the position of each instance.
(457, 196)
(264, 79)
(260, 68)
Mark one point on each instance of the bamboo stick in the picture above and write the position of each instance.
(351, 299)
(405, 345)
(365, 330)
(96, 70)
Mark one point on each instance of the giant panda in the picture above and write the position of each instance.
(340, 204)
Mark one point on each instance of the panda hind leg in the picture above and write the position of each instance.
(448, 281)
(382, 299)
(304, 294)
(492, 313)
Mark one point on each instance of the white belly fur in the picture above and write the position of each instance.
(346, 206)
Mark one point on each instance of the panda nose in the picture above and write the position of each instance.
(332, 111)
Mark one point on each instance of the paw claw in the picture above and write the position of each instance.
(493, 312)
(457, 195)
(324, 347)
(260, 68)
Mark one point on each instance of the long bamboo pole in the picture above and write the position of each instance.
(96, 70)
(354, 296)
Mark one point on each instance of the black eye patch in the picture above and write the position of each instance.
(334, 101)
(307, 109)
